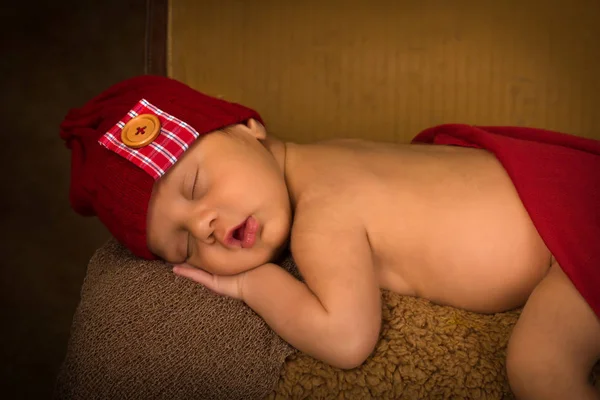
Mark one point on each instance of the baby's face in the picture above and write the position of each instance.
(223, 207)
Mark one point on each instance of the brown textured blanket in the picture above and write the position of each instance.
(141, 333)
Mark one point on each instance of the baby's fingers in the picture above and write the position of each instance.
(196, 275)
(223, 285)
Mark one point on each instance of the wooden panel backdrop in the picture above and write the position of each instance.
(387, 69)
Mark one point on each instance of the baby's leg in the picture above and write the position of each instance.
(555, 343)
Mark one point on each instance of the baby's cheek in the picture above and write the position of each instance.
(223, 262)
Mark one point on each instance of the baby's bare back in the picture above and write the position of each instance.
(443, 223)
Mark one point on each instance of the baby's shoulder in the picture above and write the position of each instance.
(324, 211)
(326, 227)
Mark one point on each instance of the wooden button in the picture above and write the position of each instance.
(140, 131)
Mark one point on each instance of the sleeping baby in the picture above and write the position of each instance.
(485, 219)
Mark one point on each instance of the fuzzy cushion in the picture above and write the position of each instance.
(425, 352)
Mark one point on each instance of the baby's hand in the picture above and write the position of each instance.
(230, 285)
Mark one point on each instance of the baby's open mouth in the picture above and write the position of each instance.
(244, 235)
(238, 233)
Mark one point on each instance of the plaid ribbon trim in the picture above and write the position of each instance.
(157, 157)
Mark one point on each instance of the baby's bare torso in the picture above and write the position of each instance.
(443, 223)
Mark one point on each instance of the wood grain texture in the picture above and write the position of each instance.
(385, 70)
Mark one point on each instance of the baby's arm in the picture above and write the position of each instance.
(336, 315)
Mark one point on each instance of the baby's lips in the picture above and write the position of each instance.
(250, 232)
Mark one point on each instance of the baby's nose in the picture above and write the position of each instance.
(203, 224)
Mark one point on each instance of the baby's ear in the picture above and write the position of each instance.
(254, 129)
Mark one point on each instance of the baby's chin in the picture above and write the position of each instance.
(235, 267)
(262, 254)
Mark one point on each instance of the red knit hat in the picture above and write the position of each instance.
(114, 181)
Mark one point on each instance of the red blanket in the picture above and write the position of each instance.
(557, 177)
